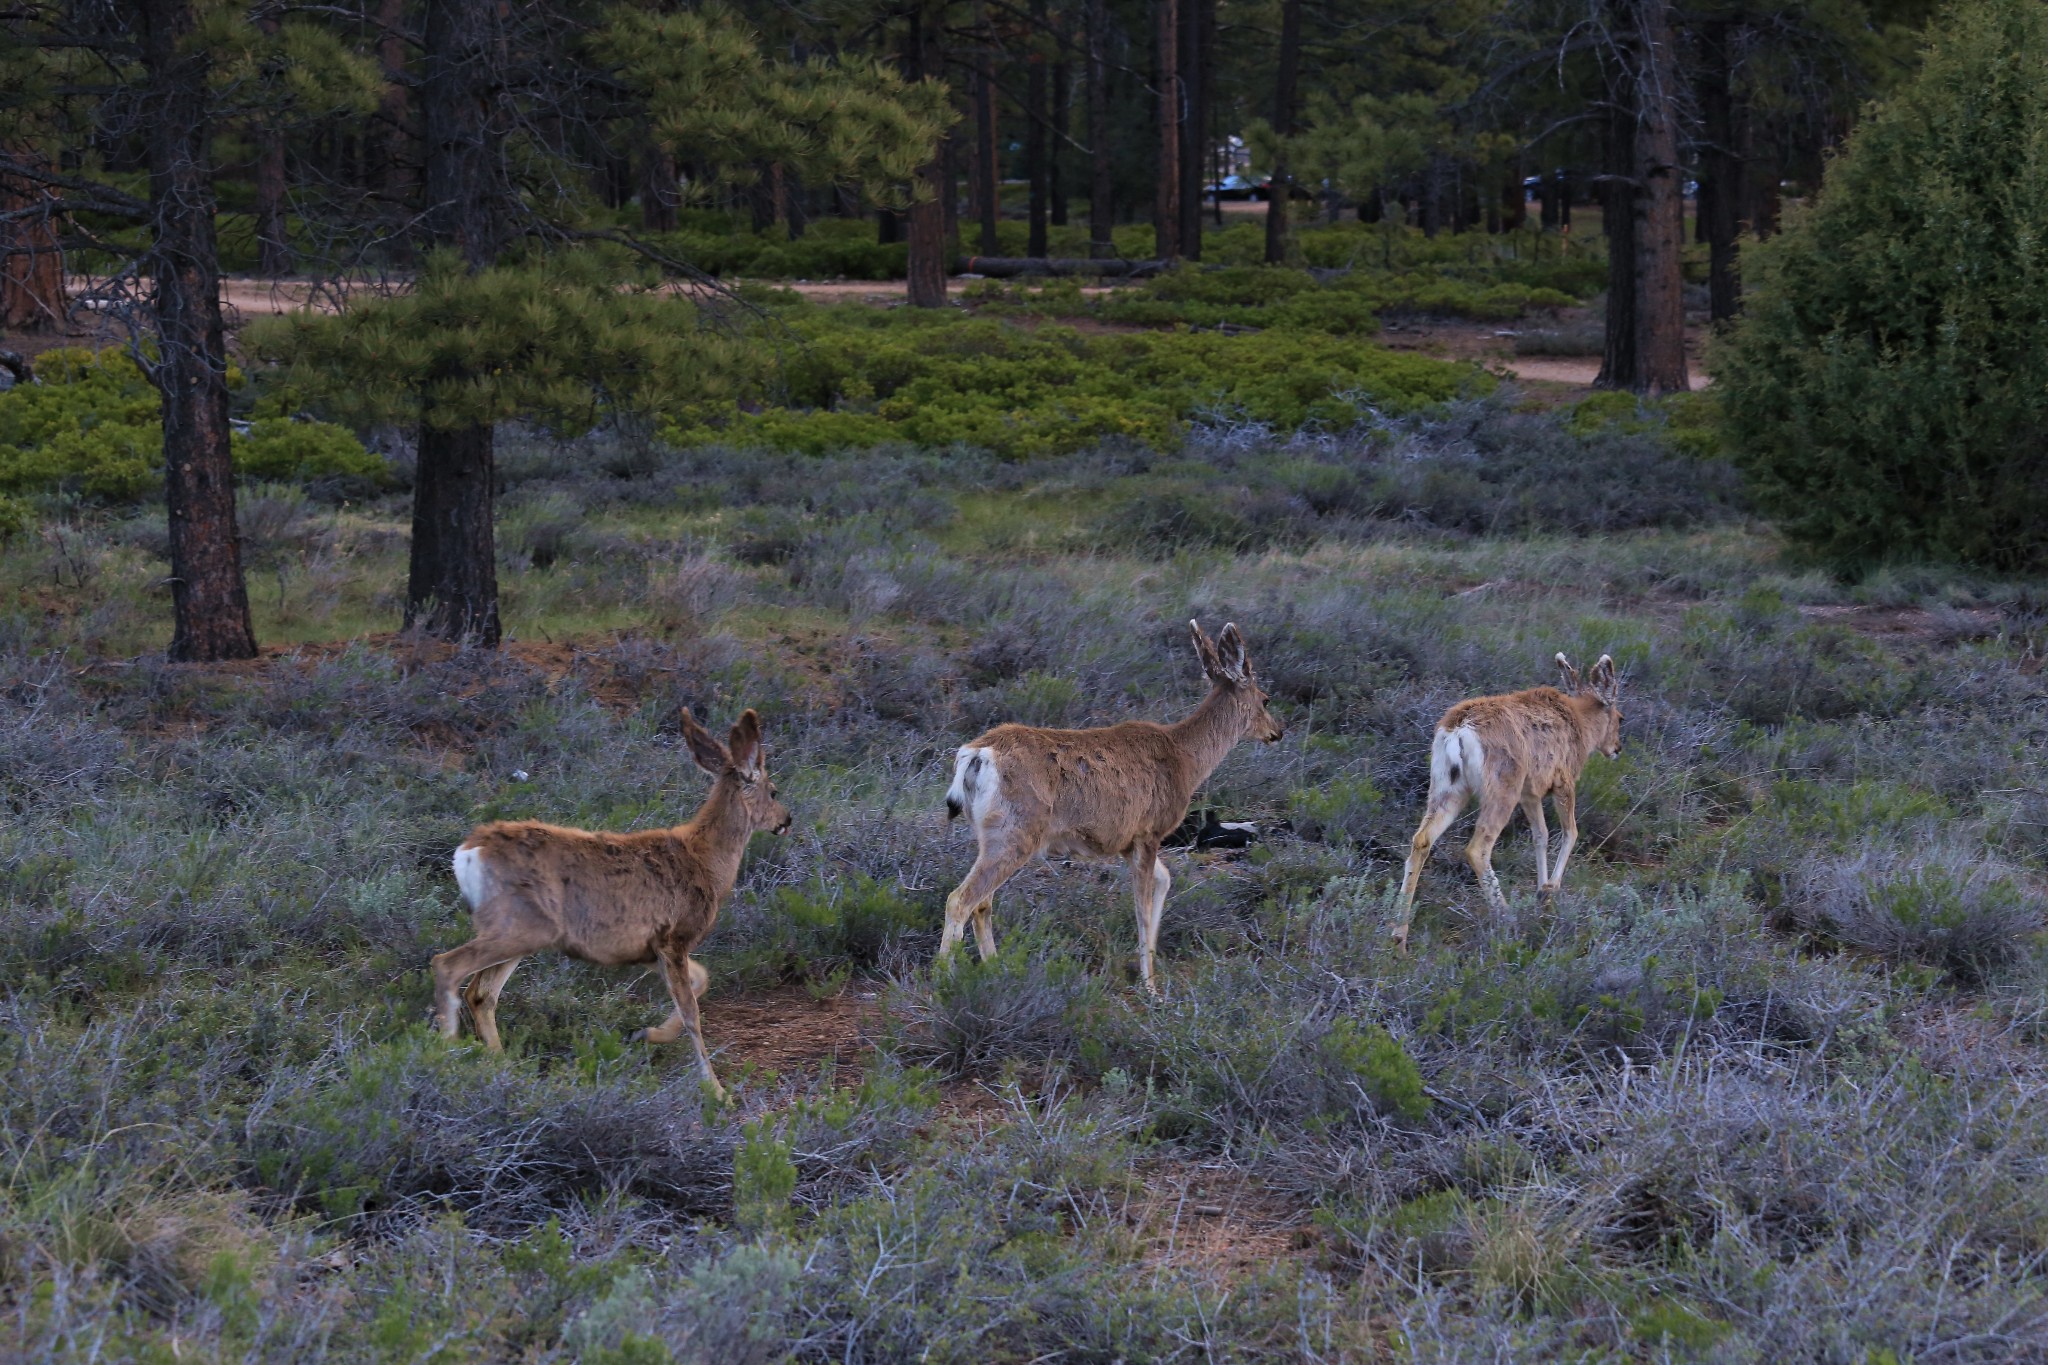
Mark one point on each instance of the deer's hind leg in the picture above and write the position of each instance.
(1494, 813)
(1442, 810)
(507, 942)
(1539, 832)
(973, 901)
(482, 999)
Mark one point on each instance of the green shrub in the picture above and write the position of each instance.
(1888, 392)
(278, 448)
(93, 426)
(862, 377)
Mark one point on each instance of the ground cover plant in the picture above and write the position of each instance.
(1769, 1084)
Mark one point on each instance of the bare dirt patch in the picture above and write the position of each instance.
(788, 1031)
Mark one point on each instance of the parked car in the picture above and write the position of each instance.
(1257, 191)
(1235, 187)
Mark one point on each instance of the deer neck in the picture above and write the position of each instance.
(1208, 735)
(720, 829)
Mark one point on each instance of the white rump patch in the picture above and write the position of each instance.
(1457, 761)
(469, 875)
(974, 783)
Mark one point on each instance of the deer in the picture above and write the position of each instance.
(1112, 792)
(612, 899)
(1507, 753)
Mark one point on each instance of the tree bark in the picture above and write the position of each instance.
(454, 550)
(452, 588)
(987, 160)
(1720, 190)
(1101, 165)
(1618, 367)
(1062, 102)
(659, 198)
(1287, 72)
(1659, 205)
(31, 263)
(209, 601)
(925, 221)
(1198, 83)
(1036, 117)
(396, 168)
(273, 237)
(1166, 201)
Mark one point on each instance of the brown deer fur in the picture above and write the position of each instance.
(1508, 753)
(1113, 792)
(612, 899)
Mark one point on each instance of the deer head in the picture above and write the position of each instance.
(1602, 688)
(1230, 671)
(745, 759)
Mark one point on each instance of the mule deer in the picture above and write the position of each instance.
(612, 899)
(1510, 752)
(1113, 792)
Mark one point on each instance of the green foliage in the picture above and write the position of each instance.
(763, 1178)
(1887, 392)
(821, 932)
(277, 448)
(560, 342)
(1380, 1066)
(862, 377)
(710, 87)
(93, 426)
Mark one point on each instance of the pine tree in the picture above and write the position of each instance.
(1887, 390)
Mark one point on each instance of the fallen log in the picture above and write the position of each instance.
(1009, 267)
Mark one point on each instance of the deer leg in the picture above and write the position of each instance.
(1494, 815)
(482, 999)
(683, 976)
(972, 901)
(1150, 882)
(1435, 820)
(1567, 799)
(985, 928)
(458, 964)
(1539, 830)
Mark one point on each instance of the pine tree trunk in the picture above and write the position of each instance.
(1618, 368)
(209, 601)
(1166, 203)
(273, 237)
(1101, 164)
(925, 222)
(1062, 100)
(452, 589)
(1288, 71)
(32, 270)
(396, 173)
(453, 579)
(1197, 79)
(1659, 206)
(987, 161)
(1721, 172)
(1035, 119)
(659, 199)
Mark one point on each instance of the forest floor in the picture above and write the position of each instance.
(1780, 1039)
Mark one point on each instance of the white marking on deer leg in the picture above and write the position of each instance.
(1539, 831)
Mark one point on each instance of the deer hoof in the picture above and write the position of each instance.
(638, 1035)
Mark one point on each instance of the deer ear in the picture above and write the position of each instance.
(1230, 655)
(745, 744)
(1205, 652)
(1567, 675)
(1605, 681)
(709, 753)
